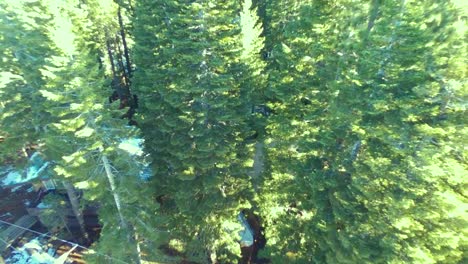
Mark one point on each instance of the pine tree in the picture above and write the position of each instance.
(41, 56)
(253, 84)
(404, 155)
(297, 45)
(350, 146)
(194, 120)
(85, 137)
(27, 51)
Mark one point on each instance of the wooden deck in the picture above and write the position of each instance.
(76, 256)
(9, 235)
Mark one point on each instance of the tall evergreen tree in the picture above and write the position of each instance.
(405, 157)
(61, 103)
(348, 146)
(27, 51)
(253, 83)
(89, 142)
(193, 115)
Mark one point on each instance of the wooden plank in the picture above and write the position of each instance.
(12, 233)
(38, 211)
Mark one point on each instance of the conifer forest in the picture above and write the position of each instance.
(235, 131)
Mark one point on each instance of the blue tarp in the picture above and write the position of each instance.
(36, 167)
(246, 234)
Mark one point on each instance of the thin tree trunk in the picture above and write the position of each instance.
(110, 178)
(75, 207)
(138, 249)
(111, 58)
(126, 79)
(259, 163)
(124, 43)
(118, 85)
(131, 232)
(373, 15)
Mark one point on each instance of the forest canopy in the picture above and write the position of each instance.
(333, 131)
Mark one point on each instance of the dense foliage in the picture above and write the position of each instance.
(339, 124)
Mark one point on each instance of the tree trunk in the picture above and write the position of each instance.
(110, 178)
(111, 58)
(373, 15)
(131, 232)
(125, 80)
(259, 164)
(75, 207)
(124, 43)
(138, 249)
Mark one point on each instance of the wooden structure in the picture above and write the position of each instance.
(66, 252)
(9, 235)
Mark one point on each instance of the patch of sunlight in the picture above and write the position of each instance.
(462, 5)
(177, 245)
(358, 130)
(291, 255)
(47, 73)
(459, 171)
(76, 158)
(231, 225)
(133, 146)
(62, 34)
(25, 17)
(82, 185)
(406, 203)
(421, 255)
(50, 96)
(404, 223)
(249, 163)
(107, 8)
(61, 171)
(74, 106)
(276, 211)
(306, 216)
(7, 77)
(286, 48)
(63, 37)
(459, 208)
(460, 25)
(188, 174)
(250, 29)
(97, 106)
(85, 132)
